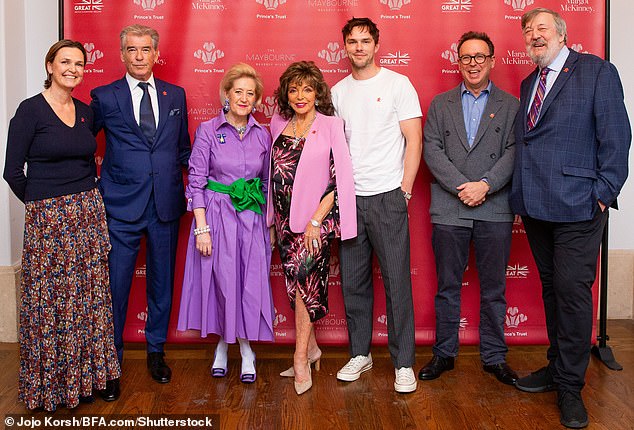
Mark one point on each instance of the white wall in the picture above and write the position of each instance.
(621, 228)
(29, 28)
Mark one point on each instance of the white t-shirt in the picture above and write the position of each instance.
(371, 109)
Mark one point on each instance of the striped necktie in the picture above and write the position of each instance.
(533, 113)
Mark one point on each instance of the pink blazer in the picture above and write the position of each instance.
(313, 173)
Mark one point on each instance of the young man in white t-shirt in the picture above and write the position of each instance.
(382, 118)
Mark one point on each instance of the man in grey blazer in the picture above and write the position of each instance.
(469, 149)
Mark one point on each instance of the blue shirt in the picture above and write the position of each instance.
(472, 108)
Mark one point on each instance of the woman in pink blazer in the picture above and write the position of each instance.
(311, 201)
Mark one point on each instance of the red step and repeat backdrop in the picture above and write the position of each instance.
(201, 39)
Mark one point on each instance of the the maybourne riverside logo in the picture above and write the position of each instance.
(519, 5)
(456, 6)
(92, 54)
(148, 4)
(333, 53)
(270, 4)
(395, 4)
(209, 54)
(88, 6)
(397, 58)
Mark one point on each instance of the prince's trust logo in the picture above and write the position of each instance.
(267, 107)
(333, 53)
(270, 4)
(451, 55)
(209, 54)
(519, 5)
(148, 5)
(512, 320)
(92, 54)
(279, 318)
(578, 47)
(395, 4)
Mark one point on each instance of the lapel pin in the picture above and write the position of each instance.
(378, 99)
(164, 93)
(82, 119)
(492, 115)
(566, 70)
(221, 137)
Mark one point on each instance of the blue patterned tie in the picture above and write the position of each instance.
(146, 113)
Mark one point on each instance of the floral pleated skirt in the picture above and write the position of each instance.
(66, 332)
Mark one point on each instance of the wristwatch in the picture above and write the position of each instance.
(315, 223)
(407, 195)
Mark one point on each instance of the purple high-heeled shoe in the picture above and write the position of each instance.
(218, 372)
(249, 378)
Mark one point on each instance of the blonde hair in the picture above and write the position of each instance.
(237, 71)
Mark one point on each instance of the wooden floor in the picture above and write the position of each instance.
(465, 398)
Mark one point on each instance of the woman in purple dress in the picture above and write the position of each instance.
(311, 201)
(226, 287)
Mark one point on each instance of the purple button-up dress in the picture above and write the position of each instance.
(228, 293)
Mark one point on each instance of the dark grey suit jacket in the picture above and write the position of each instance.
(452, 162)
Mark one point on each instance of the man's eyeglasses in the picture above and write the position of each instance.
(479, 58)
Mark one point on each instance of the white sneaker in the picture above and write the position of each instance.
(353, 368)
(405, 380)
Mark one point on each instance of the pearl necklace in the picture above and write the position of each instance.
(297, 139)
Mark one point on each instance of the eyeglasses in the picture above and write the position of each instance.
(479, 58)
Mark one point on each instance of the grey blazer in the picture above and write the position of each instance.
(452, 162)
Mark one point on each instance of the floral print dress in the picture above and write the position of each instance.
(305, 274)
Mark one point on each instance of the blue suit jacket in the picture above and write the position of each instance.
(577, 153)
(133, 167)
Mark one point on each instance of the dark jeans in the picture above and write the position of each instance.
(492, 244)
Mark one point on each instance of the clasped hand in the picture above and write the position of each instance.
(473, 193)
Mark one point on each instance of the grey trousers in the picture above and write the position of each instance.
(382, 227)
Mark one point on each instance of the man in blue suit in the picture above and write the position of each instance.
(572, 138)
(147, 146)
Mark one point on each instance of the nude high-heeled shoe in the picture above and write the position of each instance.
(302, 387)
(290, 372)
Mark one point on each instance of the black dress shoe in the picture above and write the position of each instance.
(112, 391)
(572, 412)
(539, 381)
(159, 370)
(435, 367)
(503, 372)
